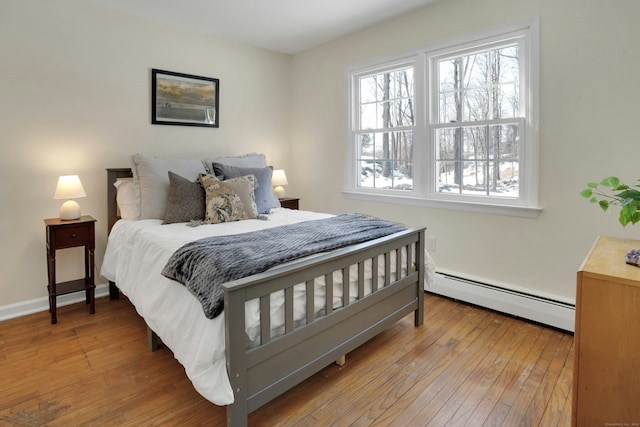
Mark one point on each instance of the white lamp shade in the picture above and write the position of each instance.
(69, 187)
(279, 177)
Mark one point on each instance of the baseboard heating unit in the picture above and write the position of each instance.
(542, 310)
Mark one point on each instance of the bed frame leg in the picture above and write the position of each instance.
(152, 339)
(341, 360)
(114, 292)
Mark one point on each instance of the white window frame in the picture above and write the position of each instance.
(426, 110)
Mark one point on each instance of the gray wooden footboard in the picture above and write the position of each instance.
(260, 373)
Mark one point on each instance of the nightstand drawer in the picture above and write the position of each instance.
(75, 235)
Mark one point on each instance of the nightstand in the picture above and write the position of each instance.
(63, 234)
(289, 203)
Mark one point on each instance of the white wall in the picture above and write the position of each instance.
(75, 98)
(589, 93)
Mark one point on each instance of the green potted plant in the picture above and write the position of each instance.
(610, 191)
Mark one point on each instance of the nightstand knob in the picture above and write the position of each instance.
(73, 236)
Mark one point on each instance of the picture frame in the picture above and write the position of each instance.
(184, 99)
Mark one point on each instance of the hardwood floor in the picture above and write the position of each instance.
(465, 366)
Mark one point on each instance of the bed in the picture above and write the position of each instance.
(254, 352)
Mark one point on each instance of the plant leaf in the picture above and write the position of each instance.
(587, 193)
(604, 205)
(629, 194)
(611, 181)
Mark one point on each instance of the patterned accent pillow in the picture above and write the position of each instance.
(185, 201)
(243, 186)
(265, 199)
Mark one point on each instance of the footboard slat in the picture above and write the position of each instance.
(361, 280)
(374, 268)
(328, 284)
(310, 301)
(387, 268)
(265, 319)
(346, 292)
(288, 310)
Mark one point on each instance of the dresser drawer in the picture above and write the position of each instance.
(75, 235)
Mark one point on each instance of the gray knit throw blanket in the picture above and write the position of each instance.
(204, 265)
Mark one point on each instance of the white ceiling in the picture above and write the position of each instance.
(287, 26)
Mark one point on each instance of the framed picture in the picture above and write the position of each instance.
(184, 100)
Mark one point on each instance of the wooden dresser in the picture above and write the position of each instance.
(606, 376)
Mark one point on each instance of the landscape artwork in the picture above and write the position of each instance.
(184, 99)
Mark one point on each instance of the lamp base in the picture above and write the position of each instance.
(279, 192)
(70, 210)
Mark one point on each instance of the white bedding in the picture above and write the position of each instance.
(136, 253)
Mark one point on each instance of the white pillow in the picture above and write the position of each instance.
(151, 174)
(128, 198)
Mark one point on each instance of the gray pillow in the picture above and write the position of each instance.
(186, 200)
(265, 199)
(150, 175)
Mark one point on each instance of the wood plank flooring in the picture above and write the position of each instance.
(465, 366)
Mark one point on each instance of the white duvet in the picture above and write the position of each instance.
(136, 253)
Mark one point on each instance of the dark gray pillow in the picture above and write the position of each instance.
(186, 200)
(265, 199)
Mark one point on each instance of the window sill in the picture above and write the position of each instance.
(495, 209)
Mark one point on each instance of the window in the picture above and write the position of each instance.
(451, 126)
(384, 134)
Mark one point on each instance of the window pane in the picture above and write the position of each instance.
(365, 146)
(368, 87)
(402, 112)
(475, 142)
(504, 141)
(368, 115)
(476, 105)
(473, 178)
(447, 75)
(446, 147)
(506, 184)
(476, 71)
(386, 160)
(505, 80)
(366, 174)
(447, 177)
(449, 106)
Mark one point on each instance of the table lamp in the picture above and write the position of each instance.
(69, 187)
(279, 178)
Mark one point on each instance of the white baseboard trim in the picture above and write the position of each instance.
(542, 310)
(37, 305)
